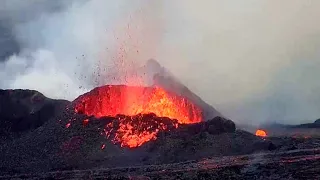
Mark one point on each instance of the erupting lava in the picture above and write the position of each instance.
(113, 100)
(130, 100)
(261, 133)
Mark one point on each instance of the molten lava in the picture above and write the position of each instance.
(136, 102)
(133, 131)
(261, 133)
(129, 100)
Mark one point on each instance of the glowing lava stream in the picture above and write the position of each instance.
(113, 100)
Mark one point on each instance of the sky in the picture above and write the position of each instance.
(255, 61)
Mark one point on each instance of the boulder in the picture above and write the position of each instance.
(217, 125)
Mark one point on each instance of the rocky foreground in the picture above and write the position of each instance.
(293, 164)
(45, 138)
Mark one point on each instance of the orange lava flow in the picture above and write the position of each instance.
(261, 133)
(113, 100)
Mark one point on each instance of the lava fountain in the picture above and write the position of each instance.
(134, 102)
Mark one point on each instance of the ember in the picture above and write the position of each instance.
(261, 133)
(68, 125)
(85, 122)
(103, 146)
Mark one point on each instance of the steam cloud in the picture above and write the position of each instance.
(256, 61)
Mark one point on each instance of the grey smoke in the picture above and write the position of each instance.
(255, 61)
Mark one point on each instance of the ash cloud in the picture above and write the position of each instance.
(255, 61)
(62, 44)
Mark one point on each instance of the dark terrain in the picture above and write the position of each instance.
(44, 138)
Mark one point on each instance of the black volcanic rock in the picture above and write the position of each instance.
(217, 125)
(220, 125)
(24, 110)
(55, 146)
(181, 145)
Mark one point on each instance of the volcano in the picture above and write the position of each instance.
(45, 138)
(160, 93)
(160, 129)
(165, 97)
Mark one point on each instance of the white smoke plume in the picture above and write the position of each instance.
(255, 61)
